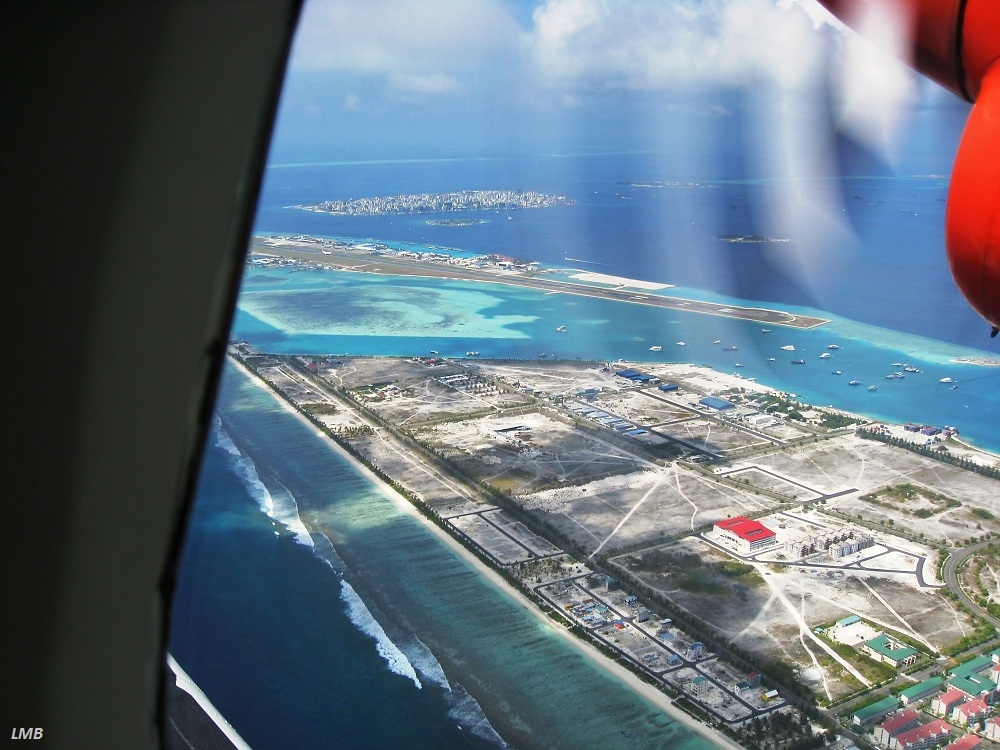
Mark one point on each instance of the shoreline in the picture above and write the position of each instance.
(649, 693)
(636, 292)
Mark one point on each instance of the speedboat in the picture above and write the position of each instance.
(832, 346)
(837, 372)
(825, 355)
(771, 359)
(788, 348)
(656, 348)
(872, 388)
(855, 382)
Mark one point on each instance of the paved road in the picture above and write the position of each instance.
(951, 566)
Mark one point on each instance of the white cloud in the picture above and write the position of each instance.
(429, 83)
(570, 51)
(424, 47)
(658, 44)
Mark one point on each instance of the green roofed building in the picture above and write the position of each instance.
(870, 715)
(972, 666)
(886, 649)
(969, 679)
(920, 690)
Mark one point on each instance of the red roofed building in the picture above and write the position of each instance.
(922, 737)
(967, 742)
(973, 710)
(943, 704)
(899, 722)
(744, 535)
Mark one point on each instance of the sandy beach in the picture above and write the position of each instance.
(648, 692)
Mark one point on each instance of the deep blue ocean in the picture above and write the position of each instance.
(377, 635)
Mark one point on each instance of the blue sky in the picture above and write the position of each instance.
(392, 77)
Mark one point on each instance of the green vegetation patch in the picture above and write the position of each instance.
(834, 421)
(899, 496)
(320, 409)
(691, 572)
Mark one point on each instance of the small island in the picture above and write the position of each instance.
(454, 222)
(664, 184)
(981, 361)
(425, 203)
(752, 238)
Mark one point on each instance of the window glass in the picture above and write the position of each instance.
(594, 365)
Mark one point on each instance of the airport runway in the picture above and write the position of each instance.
(364, 261)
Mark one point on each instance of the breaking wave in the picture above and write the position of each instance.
(414, 660)
(462, 707)
(469, 714)
(323, 549)
(280, 505)
(366, 623)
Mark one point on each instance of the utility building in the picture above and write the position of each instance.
(744, 535)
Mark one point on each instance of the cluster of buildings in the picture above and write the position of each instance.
(854, 632)
(839, 543)
(638, 377)
(317, 365)
(960, 703)
(464, 382)
(746, 415)
(466, 200)
(930, 430)
(611, 421)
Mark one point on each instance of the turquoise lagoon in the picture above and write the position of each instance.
(346, 313)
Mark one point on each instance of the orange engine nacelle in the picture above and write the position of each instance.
(957, 44)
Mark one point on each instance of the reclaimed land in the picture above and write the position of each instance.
(385, 263)
(516, 462)
(298, 393)
(398, 416)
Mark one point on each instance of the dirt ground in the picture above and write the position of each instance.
(512, 426)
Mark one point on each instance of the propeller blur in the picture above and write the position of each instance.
(957, 44)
